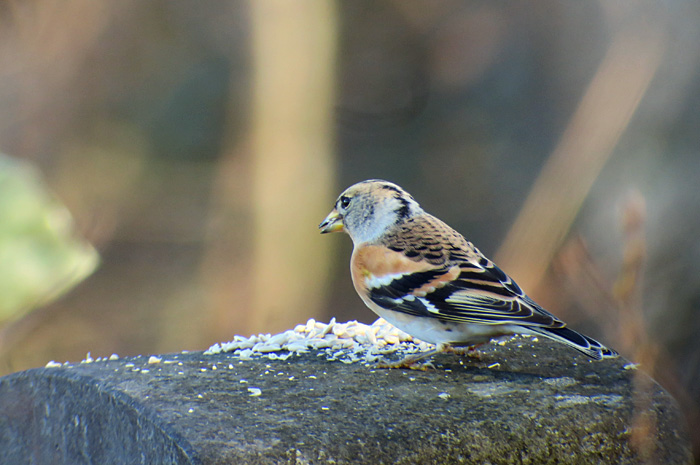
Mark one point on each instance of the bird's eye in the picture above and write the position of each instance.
(344, 202)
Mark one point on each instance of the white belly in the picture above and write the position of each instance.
(443, 332)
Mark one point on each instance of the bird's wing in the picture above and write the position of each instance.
(438, 274)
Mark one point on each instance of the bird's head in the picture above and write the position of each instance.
(369, 208)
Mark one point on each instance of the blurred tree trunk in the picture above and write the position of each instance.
(292, 169)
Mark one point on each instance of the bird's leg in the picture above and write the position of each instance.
(467, 351)
(411, 361)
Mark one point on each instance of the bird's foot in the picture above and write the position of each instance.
(411, 362)
(466, 351)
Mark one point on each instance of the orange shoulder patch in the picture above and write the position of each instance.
(370, 261)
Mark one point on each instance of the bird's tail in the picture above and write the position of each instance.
(578, 341)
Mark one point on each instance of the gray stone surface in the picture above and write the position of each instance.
(523, 402)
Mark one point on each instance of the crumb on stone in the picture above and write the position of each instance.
(351, 342)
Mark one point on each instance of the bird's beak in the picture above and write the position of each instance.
(332, 223)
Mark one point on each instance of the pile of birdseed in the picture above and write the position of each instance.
(349, 342)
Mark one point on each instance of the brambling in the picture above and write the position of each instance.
(425, 278)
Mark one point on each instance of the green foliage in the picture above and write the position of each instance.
(40, 257)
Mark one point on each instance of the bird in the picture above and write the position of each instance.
(425, 278)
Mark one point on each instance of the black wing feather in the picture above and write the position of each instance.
(481, 294)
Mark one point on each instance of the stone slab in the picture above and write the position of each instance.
(522, 402)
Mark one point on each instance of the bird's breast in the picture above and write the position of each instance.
(374, 266)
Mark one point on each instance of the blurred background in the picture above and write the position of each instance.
(165, 164)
